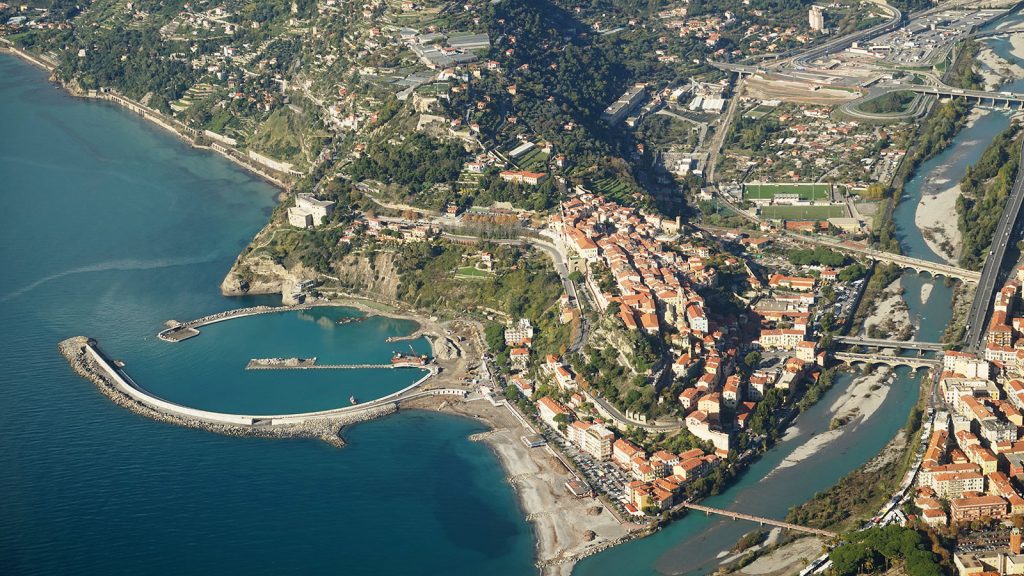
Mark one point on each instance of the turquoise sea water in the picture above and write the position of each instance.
(109, 228)
(206, 371)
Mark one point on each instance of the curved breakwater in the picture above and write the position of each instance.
(88, 361)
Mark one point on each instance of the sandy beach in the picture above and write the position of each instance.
(567, 528)
(995, 70)
(926, 292)
(864, 397)
(788, 559)
(1017, 42)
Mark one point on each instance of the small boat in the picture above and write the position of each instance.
(352, 400)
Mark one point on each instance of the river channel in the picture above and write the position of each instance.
(697, 544)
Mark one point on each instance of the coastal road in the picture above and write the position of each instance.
(558, 259)
(990, 274)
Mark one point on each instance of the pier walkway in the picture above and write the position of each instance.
(253, 365)
(759, 519)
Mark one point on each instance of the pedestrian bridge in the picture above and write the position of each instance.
(759, 519)
(882, 343)
(888, 360)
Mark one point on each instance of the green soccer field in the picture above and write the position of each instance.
(805, 191)
(803, 212)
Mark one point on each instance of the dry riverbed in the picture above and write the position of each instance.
(890, 316)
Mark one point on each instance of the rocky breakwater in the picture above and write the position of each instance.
(328, 429)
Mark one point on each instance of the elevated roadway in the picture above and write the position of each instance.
(896, 20)
(977, 318)
(888, 360)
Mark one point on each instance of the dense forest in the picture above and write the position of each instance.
(984, 191)
(963, 74)
(749, 133)
(416, 163)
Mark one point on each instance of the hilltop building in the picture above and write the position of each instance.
(309, 212)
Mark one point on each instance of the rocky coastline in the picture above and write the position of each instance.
(73, 89)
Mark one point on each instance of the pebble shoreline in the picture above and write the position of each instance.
(328, 430)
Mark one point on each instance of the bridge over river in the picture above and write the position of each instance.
(759, 519)
(881, 343)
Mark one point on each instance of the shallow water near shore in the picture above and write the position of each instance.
(113, 226)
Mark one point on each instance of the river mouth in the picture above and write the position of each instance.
(698, 544)
(208, 372)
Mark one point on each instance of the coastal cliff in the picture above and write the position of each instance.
(375, 275)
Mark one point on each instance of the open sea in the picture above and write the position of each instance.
(113, 226)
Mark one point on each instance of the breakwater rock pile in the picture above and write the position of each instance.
(326, 429)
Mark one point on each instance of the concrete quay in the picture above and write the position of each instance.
(256, 364)
(420, 333)
(88, 361)
(178, 331)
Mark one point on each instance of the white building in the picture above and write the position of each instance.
(816, 18)
(309, 212)
(519, 332)
(597, 441)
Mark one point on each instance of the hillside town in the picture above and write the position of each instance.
(681, 241)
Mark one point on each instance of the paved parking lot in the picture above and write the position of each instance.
(603, 476)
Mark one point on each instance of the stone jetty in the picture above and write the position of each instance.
(77, 351)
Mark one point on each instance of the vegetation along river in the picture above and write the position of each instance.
(694, 544)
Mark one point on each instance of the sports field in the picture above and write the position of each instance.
(755, 191)
(781, 212)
